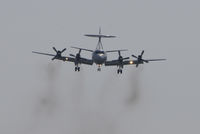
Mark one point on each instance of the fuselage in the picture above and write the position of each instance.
(99, 57)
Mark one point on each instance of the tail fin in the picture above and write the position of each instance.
(99, 45)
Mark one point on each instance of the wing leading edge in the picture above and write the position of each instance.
(117, 62)
(67, 59)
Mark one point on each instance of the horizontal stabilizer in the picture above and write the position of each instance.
(117, 50)
(99, 36)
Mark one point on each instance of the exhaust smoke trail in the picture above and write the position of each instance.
(67, 105)
(112, 101)
(134, 85)
(48, 100)
(46, 103)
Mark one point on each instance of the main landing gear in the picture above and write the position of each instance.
(77, 69)
(119, 71)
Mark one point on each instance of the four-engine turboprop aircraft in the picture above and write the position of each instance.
(99, 56)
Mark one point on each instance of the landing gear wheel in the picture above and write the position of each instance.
(77, 69)
(119, 71)
(99, 69)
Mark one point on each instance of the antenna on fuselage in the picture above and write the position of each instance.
(99, 45)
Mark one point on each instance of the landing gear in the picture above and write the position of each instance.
(77, 69)
(99, 67)
(119, 71)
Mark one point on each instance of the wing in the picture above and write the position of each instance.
(112, 63)
(86, 61)
(82, 49)
(70, 59)
(154, 59)
(133, 62)
(63, 58)
(80, 61)
(117, 62)
(129, 62)
(44, 53)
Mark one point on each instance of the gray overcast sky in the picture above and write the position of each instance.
(39, 96)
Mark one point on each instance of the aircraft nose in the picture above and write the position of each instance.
(101, 54)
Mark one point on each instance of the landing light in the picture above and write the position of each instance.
(130, 62)
(66, 58)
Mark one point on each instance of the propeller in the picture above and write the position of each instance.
(72, 55)
(120, 58)
(58, 53)
(139, 58)
(55, 49)
(77, 56)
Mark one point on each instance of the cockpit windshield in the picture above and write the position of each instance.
(99, 52)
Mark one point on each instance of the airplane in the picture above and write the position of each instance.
(99, 56)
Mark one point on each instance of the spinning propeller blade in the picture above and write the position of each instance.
(126, 58)
(63, 50)
(142, 52)
(134, 56)
(119, 52)
(58, 54)
(72, 55)
(55, 49)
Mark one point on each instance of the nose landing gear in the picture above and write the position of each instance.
(99, 67)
